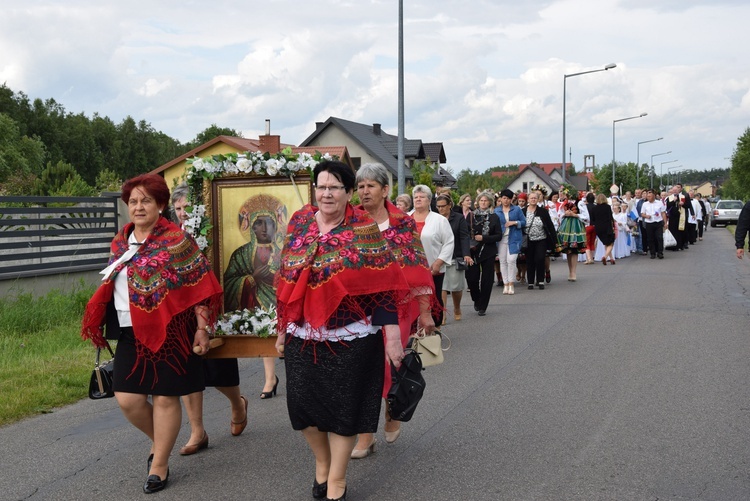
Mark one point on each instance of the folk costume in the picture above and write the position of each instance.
(403, 240)
(164, 277)
(572, 232)
(333, 291)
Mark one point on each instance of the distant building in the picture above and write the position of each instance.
(548, 175)
(370, 143)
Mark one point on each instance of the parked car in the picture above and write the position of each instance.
(726, 212)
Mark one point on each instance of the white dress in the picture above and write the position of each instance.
(621, 249)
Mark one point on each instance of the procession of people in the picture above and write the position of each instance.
(350, 284)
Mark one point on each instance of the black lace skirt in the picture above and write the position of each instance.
(336, 387)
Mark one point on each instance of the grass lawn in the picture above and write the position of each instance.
(45, 364)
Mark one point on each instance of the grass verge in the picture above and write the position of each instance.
(44, 364)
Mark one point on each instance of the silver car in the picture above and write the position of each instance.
(726, 212)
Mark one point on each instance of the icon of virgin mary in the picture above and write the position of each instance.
(248, 279)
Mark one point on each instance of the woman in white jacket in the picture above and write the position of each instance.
(437, 239)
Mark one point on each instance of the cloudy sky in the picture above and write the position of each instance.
(485, 77)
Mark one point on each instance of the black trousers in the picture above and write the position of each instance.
(480, 278)
(535, 255)
(692, 232)
(700, 229)
(655, 232)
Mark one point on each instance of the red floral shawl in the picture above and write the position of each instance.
(167, 277)
(347, 267)
(403, 239)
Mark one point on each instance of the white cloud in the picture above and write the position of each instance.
(484, 79)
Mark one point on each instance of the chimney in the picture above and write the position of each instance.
(376, 129)
(269, 143)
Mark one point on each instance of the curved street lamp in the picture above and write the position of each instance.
(638, 161)
(652, 165)
(565, 82)
(613, 139)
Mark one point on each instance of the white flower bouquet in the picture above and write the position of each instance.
(257, 322)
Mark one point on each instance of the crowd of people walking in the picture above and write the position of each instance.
(352, 285)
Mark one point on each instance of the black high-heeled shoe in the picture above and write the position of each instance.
(270, 394)
(149, 460)
(342, 498)
(319, 491)
(154, 483)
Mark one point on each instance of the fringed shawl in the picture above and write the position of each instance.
(167, 277)
(350, 267)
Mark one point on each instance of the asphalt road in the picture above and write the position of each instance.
(629, 384)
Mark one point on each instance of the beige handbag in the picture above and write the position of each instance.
(430, 348)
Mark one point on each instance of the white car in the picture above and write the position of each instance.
(726, 212)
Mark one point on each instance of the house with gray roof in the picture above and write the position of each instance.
(370, 143)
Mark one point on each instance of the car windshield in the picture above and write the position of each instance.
(730, 204)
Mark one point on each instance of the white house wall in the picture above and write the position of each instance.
(527, 176)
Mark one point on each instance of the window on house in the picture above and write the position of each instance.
(525, 187)
(357, 162)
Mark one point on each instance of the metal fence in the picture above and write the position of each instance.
(51, 235)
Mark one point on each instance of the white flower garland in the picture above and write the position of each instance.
(284, 163)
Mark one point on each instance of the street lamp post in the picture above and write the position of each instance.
(652, 165)
(638, 161)
(565, 82)
(661, 172)
(613, 139)
(670, 176)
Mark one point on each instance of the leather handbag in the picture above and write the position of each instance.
(407, 387)
(100, 383)
(460, 264)
(525, 243)
(430, 348)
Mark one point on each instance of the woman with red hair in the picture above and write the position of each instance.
(157, 298)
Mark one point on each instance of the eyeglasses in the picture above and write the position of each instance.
(330, 189)
(443, 206)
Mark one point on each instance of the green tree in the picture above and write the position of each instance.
(18, 154)
(210, 133)
(107, 180)
(738, 185)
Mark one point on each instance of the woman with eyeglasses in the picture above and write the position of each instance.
(455, 279)
(340, 294)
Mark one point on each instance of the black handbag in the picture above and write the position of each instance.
(460, 264)
(100, 384)
(407, 387)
